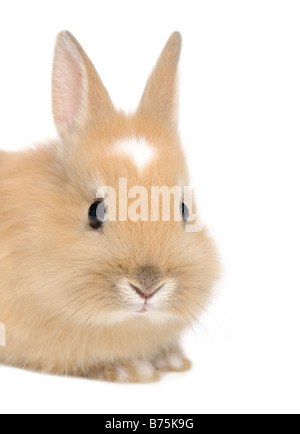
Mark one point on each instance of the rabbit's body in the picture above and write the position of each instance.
(81, 301)
(41, 333)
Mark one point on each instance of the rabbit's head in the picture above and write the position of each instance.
(111, 246)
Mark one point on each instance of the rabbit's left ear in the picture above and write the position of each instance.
(78, 95)
(160, 96)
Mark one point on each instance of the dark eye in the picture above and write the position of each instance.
(97, 213)
(185, 212)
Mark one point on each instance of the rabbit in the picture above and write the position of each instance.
(81, 295)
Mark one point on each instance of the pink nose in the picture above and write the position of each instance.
(143, 294)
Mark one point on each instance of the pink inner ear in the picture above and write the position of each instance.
(69, 88)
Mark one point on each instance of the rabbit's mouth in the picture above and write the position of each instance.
(144, 309)
(141, 301)
(146, 296)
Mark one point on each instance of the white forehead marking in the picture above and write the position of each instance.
(138, 149)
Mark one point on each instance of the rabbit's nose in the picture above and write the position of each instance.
(145, 295)
(148, 279)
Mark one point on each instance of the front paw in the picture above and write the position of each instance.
(172, 361)
(143, 371)
(140, 371)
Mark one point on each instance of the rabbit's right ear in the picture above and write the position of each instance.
(78, 95)
(160, 96)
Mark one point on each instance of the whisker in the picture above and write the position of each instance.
(200, 325)
(62, 325)
(68, 304)
(216, 321)
(184, 318)
(72, 343)
(88, 335)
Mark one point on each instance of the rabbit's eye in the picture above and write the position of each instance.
(97, 213)
(185, 212)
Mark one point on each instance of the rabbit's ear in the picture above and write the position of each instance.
(78, 95)
(160, 96)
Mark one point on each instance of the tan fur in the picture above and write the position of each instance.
(58, 294)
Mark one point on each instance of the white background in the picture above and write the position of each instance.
(240, 125)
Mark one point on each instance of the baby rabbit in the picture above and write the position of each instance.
(86, 295)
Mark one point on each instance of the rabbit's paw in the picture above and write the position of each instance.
(140, 371)
(172, 361)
